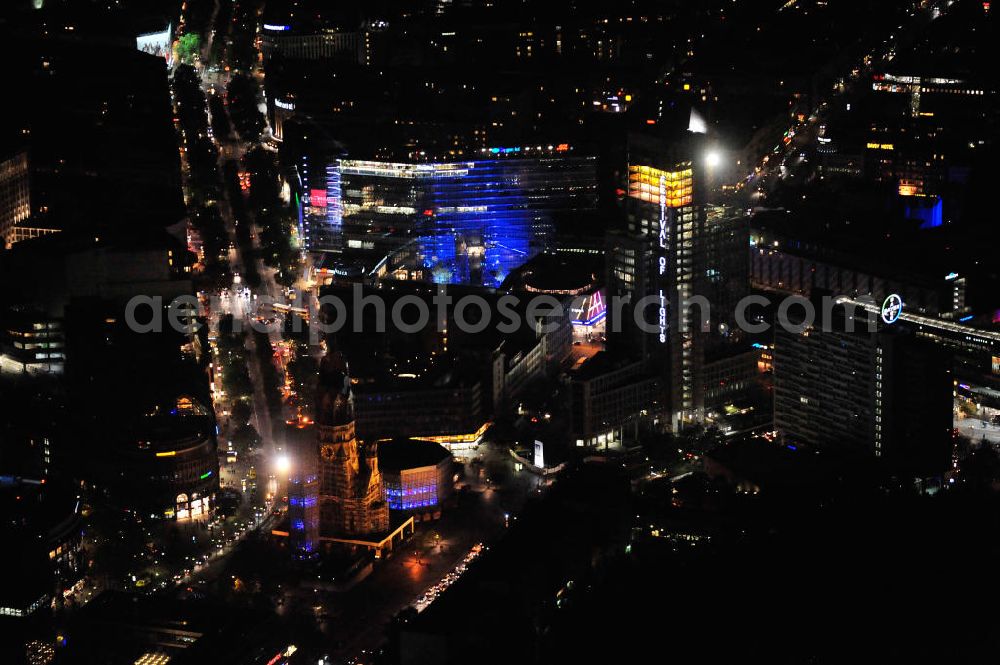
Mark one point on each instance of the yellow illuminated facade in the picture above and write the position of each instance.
(458, 440)
(153, 658)
(649, 184)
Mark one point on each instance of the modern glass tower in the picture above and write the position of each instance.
(473, 221)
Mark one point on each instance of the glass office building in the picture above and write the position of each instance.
(473, 222)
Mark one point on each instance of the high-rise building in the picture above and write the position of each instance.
(882, 392)
(783, 261)
(351, 491)
(15, 194)
(629, 279)
(472, 221)
(323, 44)
(320, 201)
(685, 265)
(103, 150)
(43, 530)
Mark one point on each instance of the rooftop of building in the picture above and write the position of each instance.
(558, 274)
(120, 627)
(401, 454)
(960, 44)
(778, 468)
(42, 503)
(923, 256)
(125, 240)
(603, 362)
(414, 373)
(173, 421)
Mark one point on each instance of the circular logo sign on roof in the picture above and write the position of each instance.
(892, 307)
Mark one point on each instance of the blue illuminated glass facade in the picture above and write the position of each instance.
(485, 224)
(320, 204)
(416, 489)
(423, 496)
(473, 221)
(929, 211)
(303, 515)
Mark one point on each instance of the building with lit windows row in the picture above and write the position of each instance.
(884, 393)
(15, 194)
(783, 263)
(323, 44)
(29, 337)
(609, 396)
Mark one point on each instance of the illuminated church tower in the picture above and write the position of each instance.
(351, 494)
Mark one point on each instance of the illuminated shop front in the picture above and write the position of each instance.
(589, 317)
(191, 506)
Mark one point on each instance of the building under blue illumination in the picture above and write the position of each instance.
(320, 204)
(929, 211)
(473, 222)
(303, 514)
(418, 476)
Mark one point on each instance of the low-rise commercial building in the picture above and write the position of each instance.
(418, 476)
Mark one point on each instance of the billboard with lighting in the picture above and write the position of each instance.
(157, 43)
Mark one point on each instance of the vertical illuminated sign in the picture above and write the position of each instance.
(663, 257)
(539, 454)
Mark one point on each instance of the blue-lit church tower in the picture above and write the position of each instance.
(303, 513)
